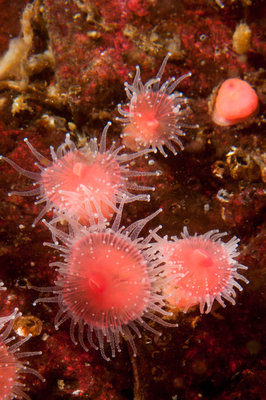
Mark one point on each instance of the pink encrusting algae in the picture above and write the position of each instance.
(108, 282)
(11, 366)
(203, 268)
(155, 114)
(76, 177)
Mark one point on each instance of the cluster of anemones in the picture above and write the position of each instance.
(111, 281)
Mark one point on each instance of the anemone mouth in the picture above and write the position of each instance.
(7, 374)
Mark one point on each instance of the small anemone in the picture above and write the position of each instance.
(203, 269)
(156, 113)
(12, 367)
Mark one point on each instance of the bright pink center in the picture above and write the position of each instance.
(201, 259)
(97, 283)
(80, 169)
(150, 115)
(106, 275)
(71, 181)
(200, 268)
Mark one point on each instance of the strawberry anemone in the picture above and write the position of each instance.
(202, 269)
(108, 283)
(76, 178)
(156, 113)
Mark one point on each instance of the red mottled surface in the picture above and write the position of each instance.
(96, 46)
(10, 25)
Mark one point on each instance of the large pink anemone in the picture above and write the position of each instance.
(91, 174)
(108, 282)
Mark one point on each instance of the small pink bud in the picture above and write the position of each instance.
(235, 102)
